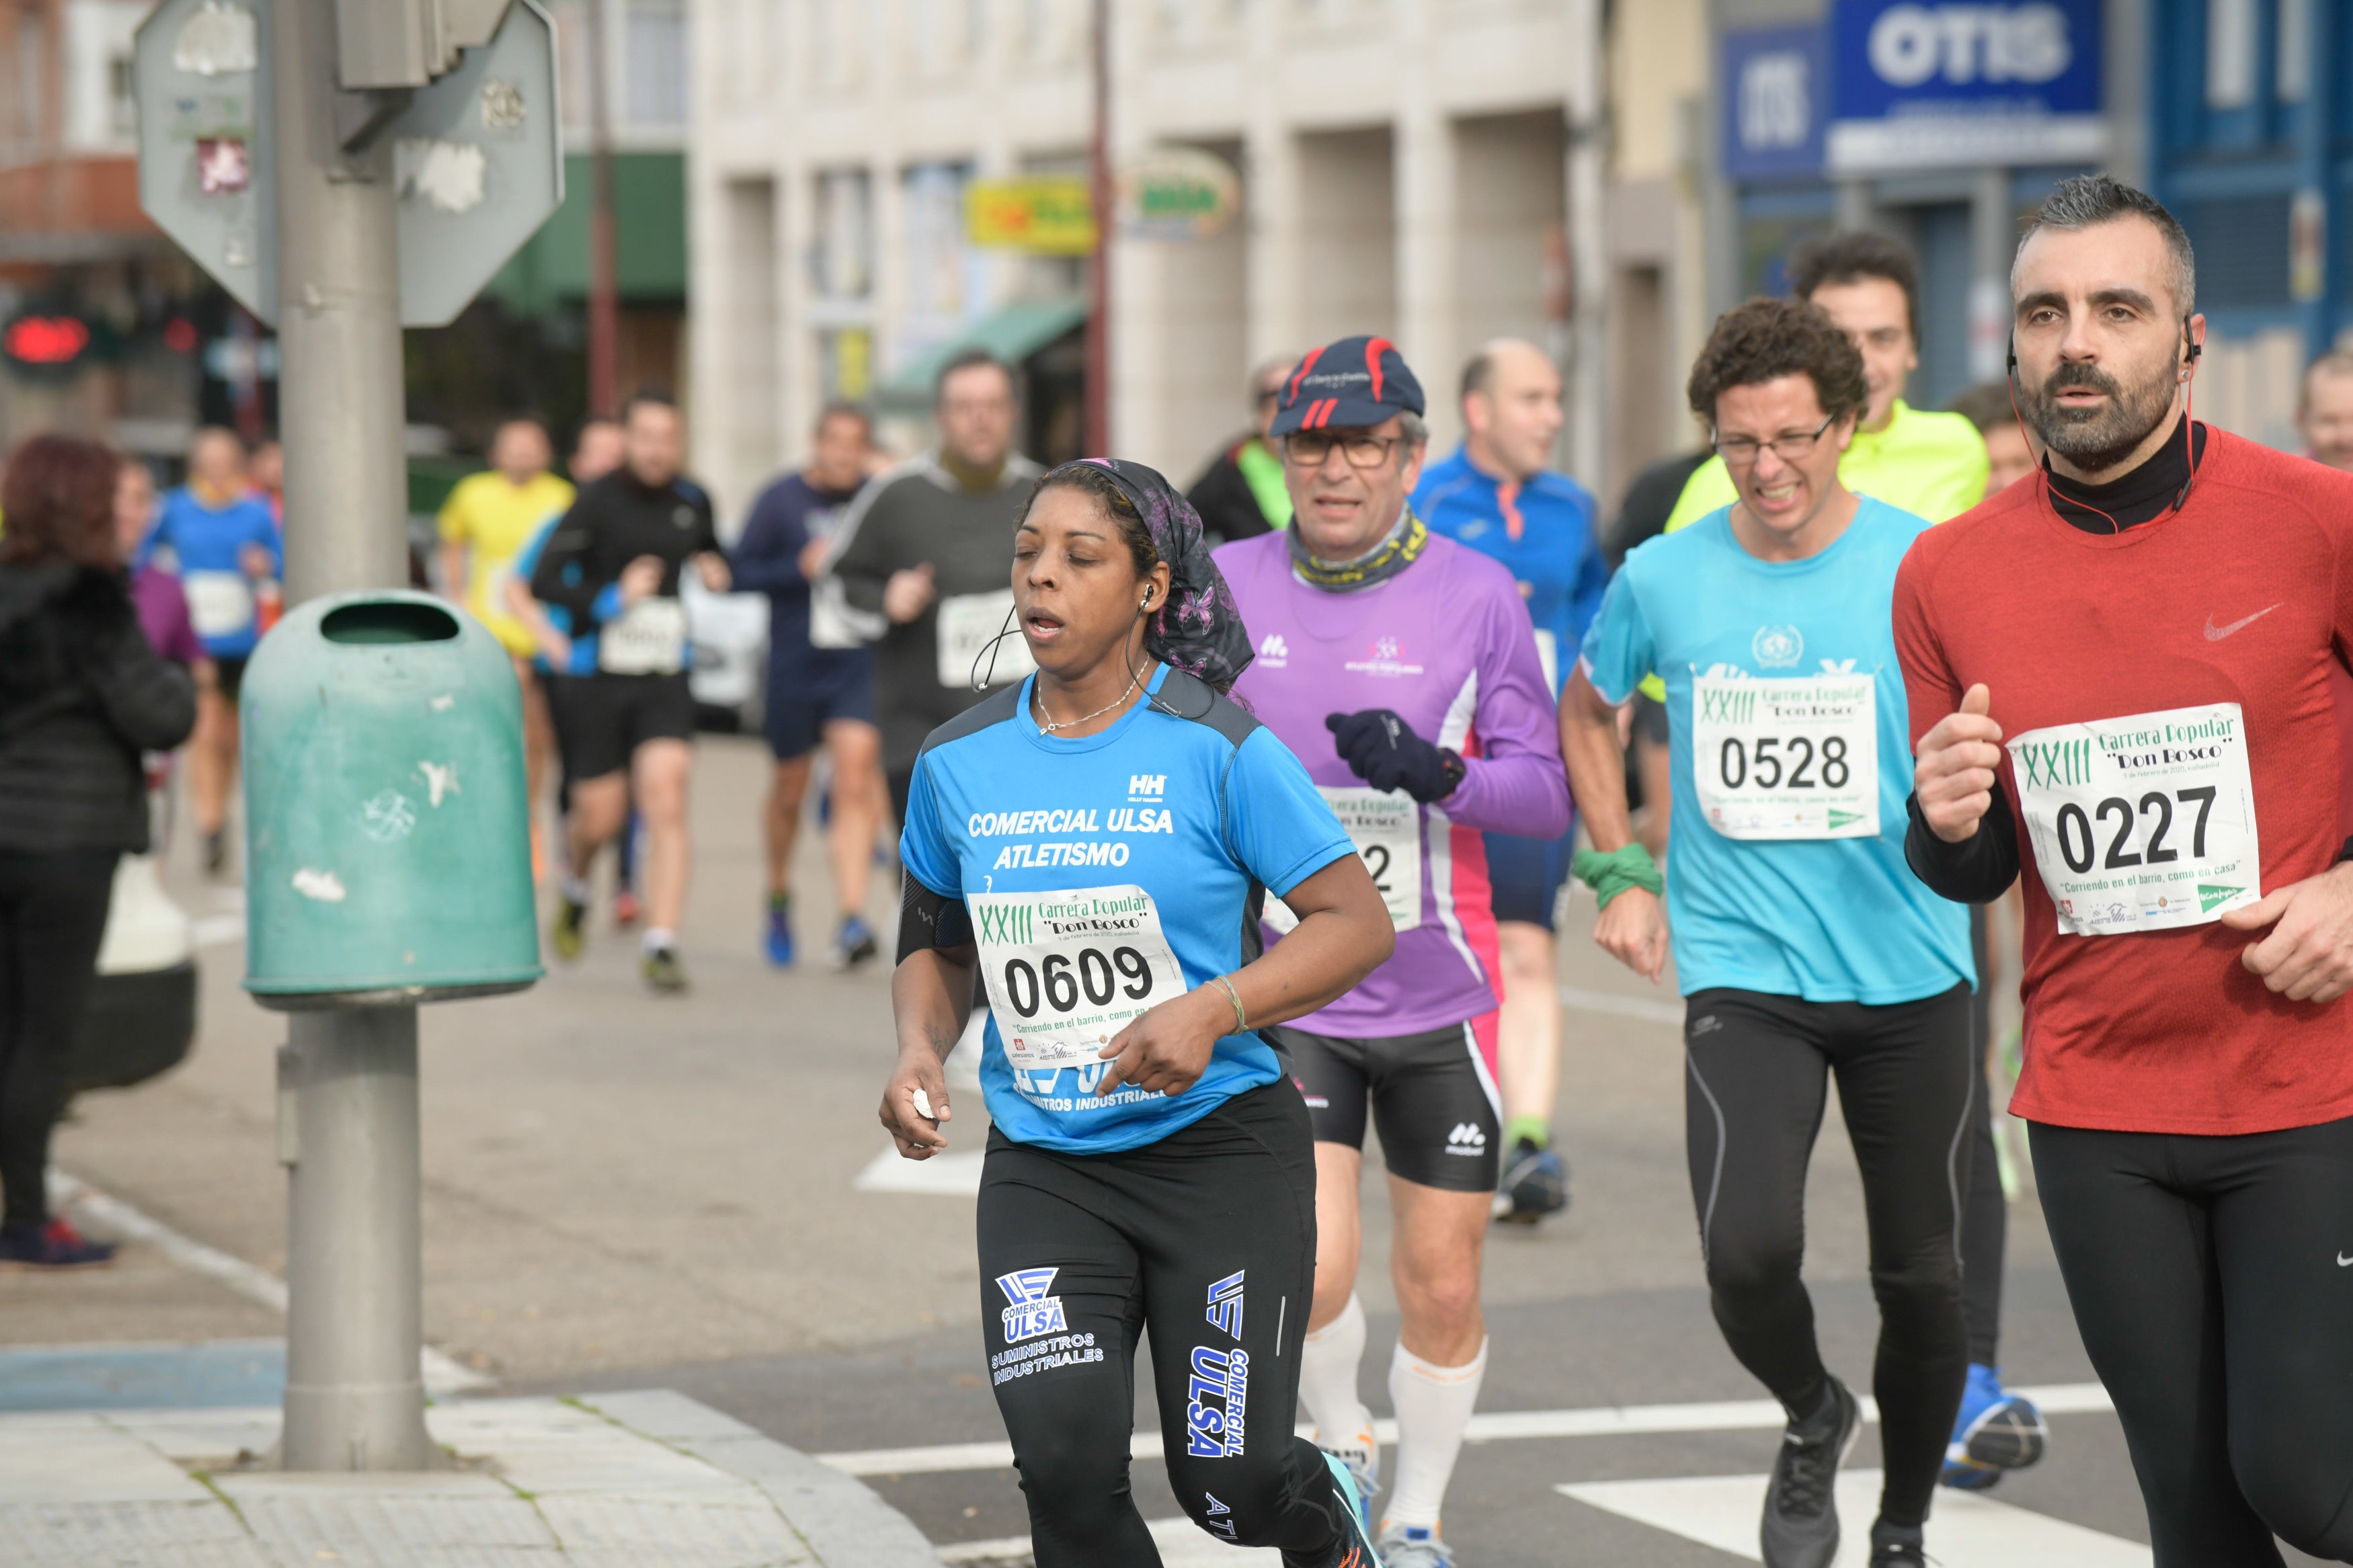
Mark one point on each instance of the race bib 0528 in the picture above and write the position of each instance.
(1069, 970)
(1386, 827)
(2143, 823)
(1787, 758)
(967, 624)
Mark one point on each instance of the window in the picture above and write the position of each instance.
(2230, 53)
(2294, 50)
(32, 74)
(121, 101)
(655, 60)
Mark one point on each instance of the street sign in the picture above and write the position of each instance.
(205, 152)
(1777, 99)
(478, 160)
(1045, 215)
(477, 153)
(1177, 193)
(1954, 85)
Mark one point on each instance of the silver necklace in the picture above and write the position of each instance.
(1047, 725)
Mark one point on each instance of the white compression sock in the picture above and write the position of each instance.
(1327, 1380)
(1433, 1405)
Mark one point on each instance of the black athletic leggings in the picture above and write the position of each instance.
(1758, 1087)
(1985, 1214)
(52, 919)
(2212, 1280)
(1208, 1238)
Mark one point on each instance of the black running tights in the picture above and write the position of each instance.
(1207, 1237)
(52, 919)
(2212, 1280)
(1758, 1087)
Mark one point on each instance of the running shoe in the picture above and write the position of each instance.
(1362, 1455)
(1899, 1554)
(569, 933)
(1801, 1525)
(780, 934)
(664, 975)
(624, 909)
(56, 1246)
(1535, 1184)
(853, 944)
(1996, 1431)
(216, 853)
(1356, 1549)
(1412, 1546)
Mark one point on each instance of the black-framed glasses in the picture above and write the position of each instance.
(1740, 452)
(1313, 448)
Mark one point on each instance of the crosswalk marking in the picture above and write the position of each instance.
(1966, 1530)
(1492, 1426)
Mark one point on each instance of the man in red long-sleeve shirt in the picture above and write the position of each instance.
(2119, 680)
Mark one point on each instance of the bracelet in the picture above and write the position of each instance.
(1234, 996)
(1612, 874)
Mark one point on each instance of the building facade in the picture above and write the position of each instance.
(1405, 169)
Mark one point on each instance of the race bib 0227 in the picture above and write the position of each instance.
(1386, 827)
(1787, 758)
(2143, 823)
(1068, 970)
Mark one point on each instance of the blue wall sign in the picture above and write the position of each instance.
(1777, 92)
(1937, 84)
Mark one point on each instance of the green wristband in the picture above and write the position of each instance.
(1612, 874)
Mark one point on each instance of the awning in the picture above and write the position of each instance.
(1013, 334)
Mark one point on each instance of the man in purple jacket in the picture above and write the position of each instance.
(1402, 669)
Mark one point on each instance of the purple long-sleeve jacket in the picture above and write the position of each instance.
(1446, 645)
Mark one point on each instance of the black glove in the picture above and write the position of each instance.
(1382, 750)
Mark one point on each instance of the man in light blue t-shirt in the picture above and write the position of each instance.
(1802, 941)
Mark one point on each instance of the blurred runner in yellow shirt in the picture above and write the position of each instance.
(485, 524)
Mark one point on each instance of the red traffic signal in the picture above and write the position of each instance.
(44, 340)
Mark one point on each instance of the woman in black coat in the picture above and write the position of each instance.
(82, 695)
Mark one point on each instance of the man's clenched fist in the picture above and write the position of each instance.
(1955, 778)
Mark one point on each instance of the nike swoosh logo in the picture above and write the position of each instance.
(2216, 634)
(2342, 1261)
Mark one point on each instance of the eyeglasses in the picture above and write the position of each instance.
(1740, 452)
(1305, 450)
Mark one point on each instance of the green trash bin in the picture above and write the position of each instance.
(388, 832)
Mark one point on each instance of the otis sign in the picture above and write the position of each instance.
(1942, 84)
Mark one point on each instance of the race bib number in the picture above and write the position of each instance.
(1386, 827)
(1787, 758)
(2143, 823)
(968, 622)
(649, 638)
(220, 603)
(1069, 970)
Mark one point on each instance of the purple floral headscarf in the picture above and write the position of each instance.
(1200, 629)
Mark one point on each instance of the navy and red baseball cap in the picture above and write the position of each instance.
(1351, 384)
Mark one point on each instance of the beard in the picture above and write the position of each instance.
(2096, 439)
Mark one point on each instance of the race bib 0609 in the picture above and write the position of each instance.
(2143, 823)
(1069, 970)
(967, 624)
(1787, 758)
(648, 638)
(1386, 827)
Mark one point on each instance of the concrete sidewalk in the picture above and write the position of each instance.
(619, 1481)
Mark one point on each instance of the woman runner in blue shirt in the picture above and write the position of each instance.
(1098, 842)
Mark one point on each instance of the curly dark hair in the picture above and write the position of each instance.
(1765, 340)
(58, 500)
(1852, 256)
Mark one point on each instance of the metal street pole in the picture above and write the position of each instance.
(1099, 305)
(347, 1079)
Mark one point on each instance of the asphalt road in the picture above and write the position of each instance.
(624, 1192)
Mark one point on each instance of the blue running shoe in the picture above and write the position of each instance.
(780, 932)
(1356, 1551)
(1535, 1184)
(853, 944)
(1996, 1431)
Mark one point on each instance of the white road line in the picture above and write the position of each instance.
(1496, 1426)
(1183, 1544)
(442, 1375)
(955, 1174)
(218, 930)
(1966, 1531)
(1642, 1007)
